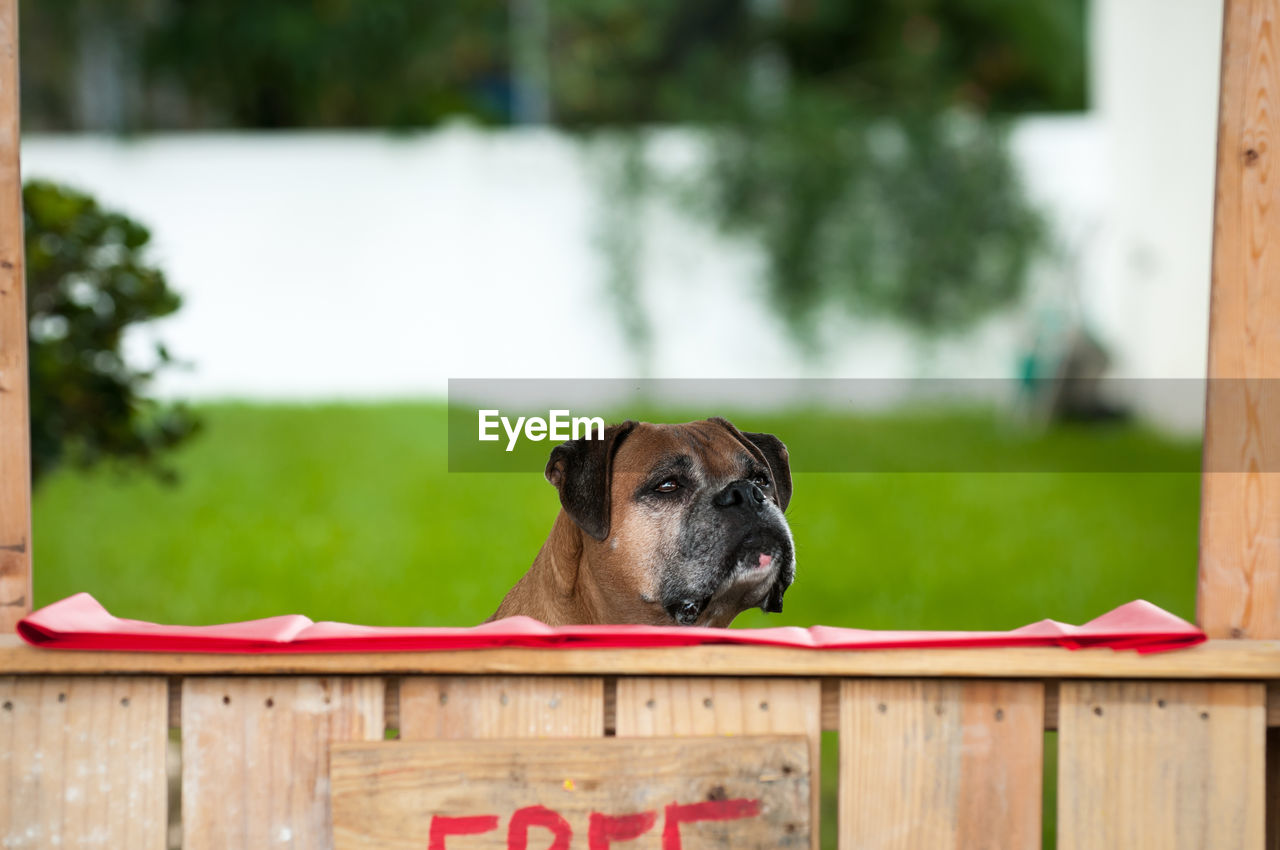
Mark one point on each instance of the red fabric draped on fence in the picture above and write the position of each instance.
(80, 622)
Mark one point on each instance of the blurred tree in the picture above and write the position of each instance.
(47, 71)
(87, 283)
(665, 60)
(398, 63)
(263, 63)
(336, 63)
(860, 143)
(916, 217)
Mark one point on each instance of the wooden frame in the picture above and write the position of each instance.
(15, 443)
(939, 747)
(1239, 590)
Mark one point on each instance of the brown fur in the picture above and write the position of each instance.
(576, 578)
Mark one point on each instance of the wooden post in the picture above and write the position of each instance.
(1239, 589)
(15, 443)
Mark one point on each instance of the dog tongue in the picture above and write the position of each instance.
(765, 560)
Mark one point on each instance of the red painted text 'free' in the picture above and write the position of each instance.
(602, 829)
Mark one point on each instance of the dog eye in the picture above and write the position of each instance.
(760, 480)
(668, 486)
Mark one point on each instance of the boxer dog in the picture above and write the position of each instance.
(662, 525)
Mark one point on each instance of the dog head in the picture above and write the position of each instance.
(680, 523)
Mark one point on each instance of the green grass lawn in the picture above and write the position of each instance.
(347, 512)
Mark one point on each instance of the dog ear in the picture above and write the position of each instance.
(582, 470)
(775, 454)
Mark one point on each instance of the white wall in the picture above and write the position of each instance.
(320, 265)
(1154, 68)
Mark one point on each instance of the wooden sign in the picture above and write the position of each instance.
(572, 794)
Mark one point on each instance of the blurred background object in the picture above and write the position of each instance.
(158, 65)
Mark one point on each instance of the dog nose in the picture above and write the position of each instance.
(740, 493)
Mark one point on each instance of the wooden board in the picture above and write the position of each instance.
(82, 762)
(1223, 659)
(392, 795)
(648, 707)
(1239, 592)
(1166, 765)
(15, 439)
(255, 753)
(501, 707)
(939, 764)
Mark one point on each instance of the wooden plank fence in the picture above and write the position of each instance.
(15, 441)
(1153, 751)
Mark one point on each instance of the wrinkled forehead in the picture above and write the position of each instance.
(703, 449)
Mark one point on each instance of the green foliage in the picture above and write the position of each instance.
(919, 218)
(407, 63)
(666, 60)
(87, 284)
(337, 63)
(266, 63)
(997, 55)
(861, 145)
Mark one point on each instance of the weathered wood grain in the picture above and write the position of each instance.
(501, 707)
(649, 707)
(255, 757)
(1239, 580)
(82, 762)
(386, 795)
(830, 705)
(940, 764)
(1168, 765)
(15, 439)
(1224, 659)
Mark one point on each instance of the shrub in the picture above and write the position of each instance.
(87, 284)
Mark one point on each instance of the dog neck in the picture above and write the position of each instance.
(552, 590)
